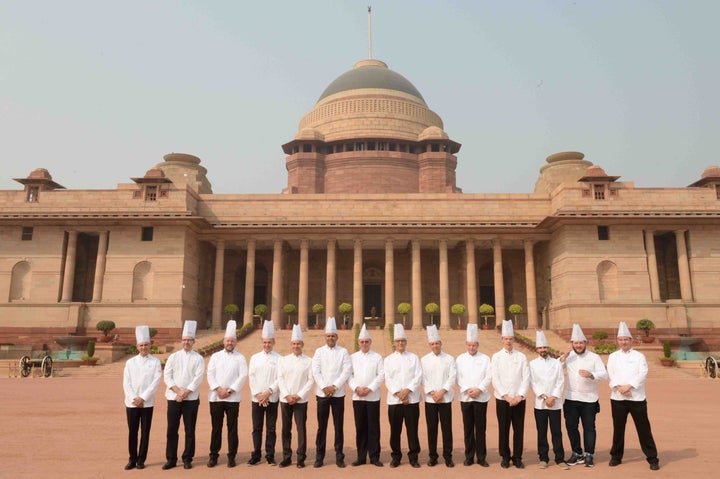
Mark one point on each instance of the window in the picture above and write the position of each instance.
(27, 233)
(717, 191)
(32, 194)
(307, 148)
(603, 233)
(147, 233)
(371, 145)
(151, 193)
(599, 192)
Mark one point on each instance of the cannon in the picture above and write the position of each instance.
(45, 365)
(711, 366)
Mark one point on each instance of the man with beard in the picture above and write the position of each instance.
(583, 371)
(473, 377)
(546, 380)
(226, 374)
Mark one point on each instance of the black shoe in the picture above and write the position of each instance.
(254, 461)
(395, 463)
(504, 463)
(187, 465)
(518, 463)
(141, 465)
(589, 460)
(654, 466)
(468, 462)
(576, 458)
(271, 461)
(483, 463)
(300, 464)
(318, 463)
(415, 464)
(449, 463)
(284, 462)
(131, 465)
(231, 462)
(340, 463)
(168, 465)
(377, 463)
(357, 462)
(212, 462)
(432, 463)
(615, 462)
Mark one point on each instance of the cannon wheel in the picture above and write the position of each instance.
(25, 366)
(47, 365)
(711, 367)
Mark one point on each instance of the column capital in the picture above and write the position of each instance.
(304, 243)
(357, 243)
(389, 242)
(496, 242)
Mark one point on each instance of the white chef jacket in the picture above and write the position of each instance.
(439, 372)
(227, 370)
(295, 377)
(263, 374)
(402, 371)
(368, 370)
(578, 388)
(546, 377)
(510, 373)
(184, 370)
(473, 372)
(141, 378)
(331, 367)
(627, 368)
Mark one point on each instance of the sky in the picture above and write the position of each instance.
(97, 92)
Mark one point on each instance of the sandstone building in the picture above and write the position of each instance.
(371, 216)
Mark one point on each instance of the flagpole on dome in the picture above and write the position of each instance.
(369, 33)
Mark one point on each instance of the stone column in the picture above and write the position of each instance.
(331, 285)
(69, 276)
(389, 282)
(357, 283)
(470, 282)
(532, 312)
(417, 306)
(303, 287)
(249, 307)
(683, 266)
(444, 286)
(276, 300)
(217, 308)
(100, 267)
(499, 285)
(652, 266)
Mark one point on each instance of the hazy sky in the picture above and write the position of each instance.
(97, 91)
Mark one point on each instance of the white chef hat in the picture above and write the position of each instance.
(296, 333)
(142, 334)
(268, 331)
(364, 333)
(471, 333)
(231, 329)
(577, 333)
(540, 340)
(189, 329)
(330, 326)
(623, 330)
(507, 329)
(432, 333)
(399, 332)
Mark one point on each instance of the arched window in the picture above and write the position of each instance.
(607, 281)
(20, 281)
(142, 281)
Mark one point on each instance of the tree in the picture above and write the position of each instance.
(345, 309)
(317, 309)
(231, 310)
(432, 309)
(515, 309)
(404, 309)
(261, 310)
(459, 310)
(645, 325)
(105, 326)
(485, 311)
(289, 309)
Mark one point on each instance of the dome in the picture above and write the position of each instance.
(371, 74)
(433, 133)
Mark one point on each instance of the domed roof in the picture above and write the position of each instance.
(371, 74)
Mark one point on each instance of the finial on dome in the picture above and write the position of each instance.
(369, 32)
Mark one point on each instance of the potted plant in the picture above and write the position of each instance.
(432, 309)
(404, 309)
(458, 309)
(345, 309)
(317, 309)
(231, 310)
(261, 310)
(646, 325)
(667, 359)
(515, 309)
(289, 309)
(105, 326)
(90, 359)
(485, 311)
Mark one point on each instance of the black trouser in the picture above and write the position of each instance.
(269, 413)
(324, 406)
(638, 411)
(442, 412)
(474, 415)
(410, 414)
(138, 419)
(508, 416)
(189, 411)
(543, 417)
(287, 412)
(367, 429)
(574, 412)
(219, 409)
